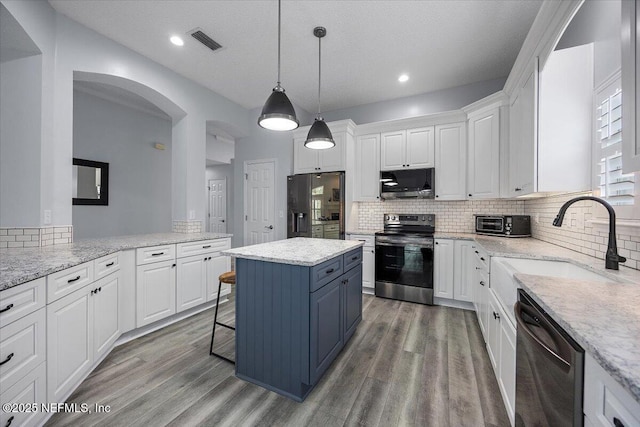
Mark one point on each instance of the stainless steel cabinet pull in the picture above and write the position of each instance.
(158, 254)
(7, 308)
(73, 280)
(9, 357)
(110, 264)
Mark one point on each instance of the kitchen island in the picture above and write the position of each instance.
(298, 302)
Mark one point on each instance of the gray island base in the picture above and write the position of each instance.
(298, 302)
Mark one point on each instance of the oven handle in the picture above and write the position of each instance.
(404, 243)
(557, 359)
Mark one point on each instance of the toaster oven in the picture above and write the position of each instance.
(504, 225)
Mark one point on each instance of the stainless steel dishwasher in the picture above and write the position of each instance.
(549, 369)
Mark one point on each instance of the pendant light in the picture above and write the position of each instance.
(319, 137)
(278, 112)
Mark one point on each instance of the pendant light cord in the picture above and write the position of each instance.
(319, 70)
(279, 1)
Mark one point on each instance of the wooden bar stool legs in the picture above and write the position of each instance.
(230, 278)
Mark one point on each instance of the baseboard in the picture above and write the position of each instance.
(453, 303)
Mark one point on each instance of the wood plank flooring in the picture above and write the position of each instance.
(406, 365)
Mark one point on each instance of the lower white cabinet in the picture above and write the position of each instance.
(501, 346)
(81, 328)
(481, 297)
(30, 389)
(215, 266)
(368, 261)
(453, 269)
(155, 292)
(191, 282)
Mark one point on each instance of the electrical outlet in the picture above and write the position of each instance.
(192, 214)
(47, 217)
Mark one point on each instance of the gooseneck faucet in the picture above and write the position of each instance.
(611, 258)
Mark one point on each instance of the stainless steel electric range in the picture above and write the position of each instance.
(404, 258)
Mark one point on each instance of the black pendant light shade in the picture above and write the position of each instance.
(319, 136)
(278, 112)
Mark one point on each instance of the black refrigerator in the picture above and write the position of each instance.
(315, 205)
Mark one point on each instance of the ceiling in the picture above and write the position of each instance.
(438, 43)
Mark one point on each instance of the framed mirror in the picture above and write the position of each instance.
(90, 182)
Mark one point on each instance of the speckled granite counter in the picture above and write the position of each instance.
(602, 317)
(18, 266)
(298, 251)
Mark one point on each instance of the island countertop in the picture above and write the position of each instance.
(298, 251)
(20, 265)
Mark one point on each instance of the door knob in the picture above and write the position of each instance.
(270, 227)
(222, 220)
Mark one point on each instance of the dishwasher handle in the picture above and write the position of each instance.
(561, 358)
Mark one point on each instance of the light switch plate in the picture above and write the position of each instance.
(192, 214)
(47, 217)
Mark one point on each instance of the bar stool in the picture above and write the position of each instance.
(230, 278)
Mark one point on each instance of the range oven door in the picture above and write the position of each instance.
(549, 370)
(404, 268)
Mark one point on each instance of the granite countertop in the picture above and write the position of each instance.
(298, 251)
(602, 317)
(19, 265)
(363, 231)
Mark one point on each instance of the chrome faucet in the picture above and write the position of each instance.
(611, 258)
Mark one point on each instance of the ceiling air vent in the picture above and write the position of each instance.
(205, 39)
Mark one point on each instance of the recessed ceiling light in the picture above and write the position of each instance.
(177, 40)
(403, 78)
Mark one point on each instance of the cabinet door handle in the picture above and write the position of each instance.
(482, 258)
(437, 243)
(617, 422)
(354, 258)
(9, 421)
(110, 264)
(496, 315)
(7, 308)
(470, 195)
(518, 189)
(100, 289)
(158, 254)
(9, 357)
(329, 271)
(73, 280)
(173, 265)
(477, 252)
(481, 281)
(207, 246)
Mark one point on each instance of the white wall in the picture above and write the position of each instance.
(219, 149)
(139, 174)
(222, 172)
(411, 106)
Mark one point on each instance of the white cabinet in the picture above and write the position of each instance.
(30, 389)
(451, 161)
(483, 168)
(501, 346)
(69, 280)
(606, 402)
(306, 160)
(443, 254)
(21, 300)
(155, 292)
(463, 270)
(81, 328)
(216, 265)
(367, 170)
(368, 262)
(523, 134)
(630, 78)
(481, 287)
(407, 149)
(191, 282)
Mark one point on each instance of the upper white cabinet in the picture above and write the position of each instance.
(367, 169)
(407, 149)
(306, 160)
(483, 168)
(451, 161)
(630, 76)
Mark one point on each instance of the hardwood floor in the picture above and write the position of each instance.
(407, 364)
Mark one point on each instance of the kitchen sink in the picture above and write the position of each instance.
(541, 267)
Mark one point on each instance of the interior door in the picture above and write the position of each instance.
(259, 202)
(218, 205)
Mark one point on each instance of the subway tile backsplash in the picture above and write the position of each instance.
(180, 226)
(33, 237)
(451, 216)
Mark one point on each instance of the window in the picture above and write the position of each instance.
(317, 202)
(611, 184)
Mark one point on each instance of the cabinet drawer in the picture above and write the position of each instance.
(323, 273)
(106, 265)
(368, 240)
(202, 247)
(482, 258)
(331, 227)
(21, 300)
(32, 388)
(352, 259)
(605, 400)
(22, 348)
(66, 281)
(155, 254)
